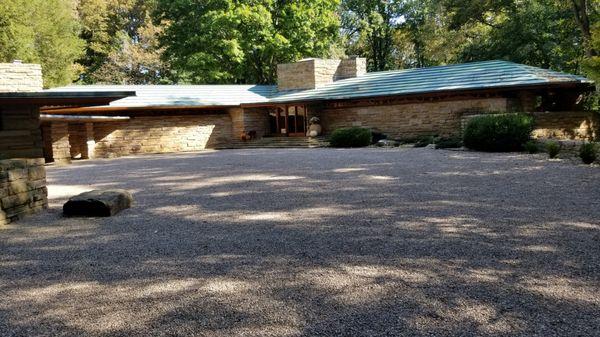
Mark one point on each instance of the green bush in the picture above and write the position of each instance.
(351, 137)
(553, 149)
(498, 133)
(532, 147)
(588, 152)
(448, 143)
(423, 141)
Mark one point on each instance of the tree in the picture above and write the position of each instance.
(227, 41)
(122, 42)
(41, 31)
(535, 32)
(369, 27)
(582, 9)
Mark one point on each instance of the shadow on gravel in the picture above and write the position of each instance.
(312, 242)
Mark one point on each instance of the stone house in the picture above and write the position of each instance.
(22, 172)
(400, 104)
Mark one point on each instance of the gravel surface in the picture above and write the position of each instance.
(315, 242)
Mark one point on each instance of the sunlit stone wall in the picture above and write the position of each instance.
(164, 134)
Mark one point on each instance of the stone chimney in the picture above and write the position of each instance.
(314, 73)
(20, 77)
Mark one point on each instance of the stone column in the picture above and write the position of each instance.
(90, 141)
(61, 149)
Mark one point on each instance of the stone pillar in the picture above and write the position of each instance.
(61, 149)
(22, 188)
(90, 141)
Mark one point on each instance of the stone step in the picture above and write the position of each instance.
(283, 142)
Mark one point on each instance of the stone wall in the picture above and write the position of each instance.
(22, 188)
(296, 76)
(22, 173)
(161, 135)
(57, 147)
(314, 73)
(19, 77)
(20, 135)
(411, 120)
(572, 125)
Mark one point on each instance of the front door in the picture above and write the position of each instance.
(289, 120)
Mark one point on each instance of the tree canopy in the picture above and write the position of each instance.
(227, 41)
(242, 41)
(42, 31)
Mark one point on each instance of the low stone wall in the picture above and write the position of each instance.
(22, 188)
(569, 125)
(161, 135)
(411, 120)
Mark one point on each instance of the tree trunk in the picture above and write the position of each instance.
(580, 8)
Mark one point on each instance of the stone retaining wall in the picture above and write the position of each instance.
(22, 188)
(411, 120)
(569, 125)
(161, 135)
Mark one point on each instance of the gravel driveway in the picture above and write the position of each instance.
(315, 242)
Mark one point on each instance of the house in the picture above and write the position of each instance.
(22, 173)
(400, 104)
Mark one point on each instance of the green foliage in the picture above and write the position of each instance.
(553, 149)
(537, 32)
(350, 137)
(498, 133)
(369, 27)
(448, 142)
(41, 31)
(532, 147)
(588, 152)
(227, 41)
(122, 43)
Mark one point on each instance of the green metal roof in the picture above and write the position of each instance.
(181, 95)
(459, 77)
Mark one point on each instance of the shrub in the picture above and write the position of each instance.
(351, 137)
(498, 133)
(588, 152)
(553, 149)
(377, 136)
(448, 143)
(532, 147)
(423, 141)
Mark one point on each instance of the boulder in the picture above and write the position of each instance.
(98, 203)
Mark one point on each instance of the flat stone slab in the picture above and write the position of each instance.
(98, 203)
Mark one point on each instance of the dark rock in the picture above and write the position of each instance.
(98, 203)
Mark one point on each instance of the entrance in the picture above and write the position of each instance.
(288, 120)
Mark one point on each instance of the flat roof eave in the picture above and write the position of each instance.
(49, 98)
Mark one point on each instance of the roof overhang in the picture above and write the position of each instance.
(63, 99)
(110, 110)
(583, 87)
(82, 119)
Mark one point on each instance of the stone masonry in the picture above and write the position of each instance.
(573, 125)
(313, 73)
(20, 77)
(22, 188)
(411, 120)
(161, 135)
(22, 173)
